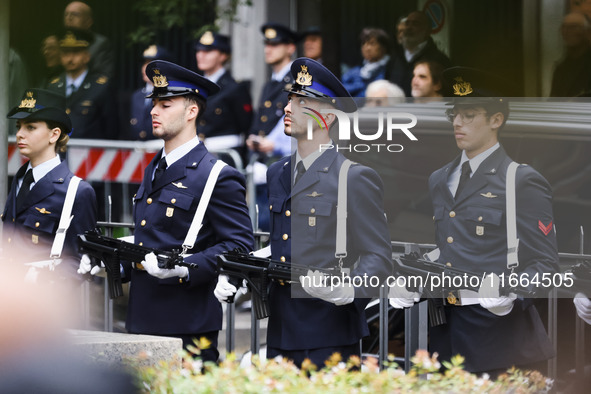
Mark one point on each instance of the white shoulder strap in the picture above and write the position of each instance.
(341, 241)
(65, 219)
(197, 222)
(512, 240)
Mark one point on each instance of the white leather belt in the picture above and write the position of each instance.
(223, 142)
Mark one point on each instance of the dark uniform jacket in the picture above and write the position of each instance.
(102, 57)
(228, 112)
(471, 234)
(91, 108)
(273, 101)
(163, 214)
(31, 230)
(303, 231)
(401, 70)
(139, 119)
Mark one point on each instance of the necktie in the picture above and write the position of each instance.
(466, 170)
(160, 170)
(25, 189)
(72, 89)
(300, 170)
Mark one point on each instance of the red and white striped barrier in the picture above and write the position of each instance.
(100, 160)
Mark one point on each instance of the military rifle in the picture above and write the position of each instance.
(426, 273)
(580, 272)
(111, 251)
(259, 272)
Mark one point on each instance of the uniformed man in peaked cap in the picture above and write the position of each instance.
(179, 302)
(279, 48)
(228, 116)
(492, 331)
(266, 134)
(309, 320)
(138, 122)
(89, 98)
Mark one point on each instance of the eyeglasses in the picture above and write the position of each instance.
(465, 117)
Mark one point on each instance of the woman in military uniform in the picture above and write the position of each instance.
(34, 206)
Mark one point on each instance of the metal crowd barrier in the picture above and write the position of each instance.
(123, 162)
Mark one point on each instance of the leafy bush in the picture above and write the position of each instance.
(336, 376)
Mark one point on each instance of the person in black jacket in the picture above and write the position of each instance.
(571, 76)
(89, 98)
(417, 45)
(228, 115)
(266, 138)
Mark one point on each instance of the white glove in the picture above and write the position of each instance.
(85, 266)
(150, 263)
(224, 289)
(341, 295)
(31, 275)
(490, 299)
(401, 298)
(583, 305)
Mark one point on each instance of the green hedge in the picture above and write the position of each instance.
(335, 377)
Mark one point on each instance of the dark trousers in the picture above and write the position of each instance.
(317, 356)
(209, 354)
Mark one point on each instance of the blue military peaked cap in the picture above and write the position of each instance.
(314, 80)
(276, 33)
(311, 31)
(156, 52)
(171, 80)
(210, 41)
(44, 105)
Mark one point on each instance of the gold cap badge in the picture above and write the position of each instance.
(159, 80)
(207, 38)
(462, 88)
(304, 78)
(70, 41)
(28, 102)
(270, 33)
(151, 51)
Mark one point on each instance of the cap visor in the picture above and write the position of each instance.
(18, 114)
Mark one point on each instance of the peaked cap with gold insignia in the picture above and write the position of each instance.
(312, 79)
(470, 86)
(276, 33)
(44, 105)
(173, 80)
(210, 41)
(76, 39)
